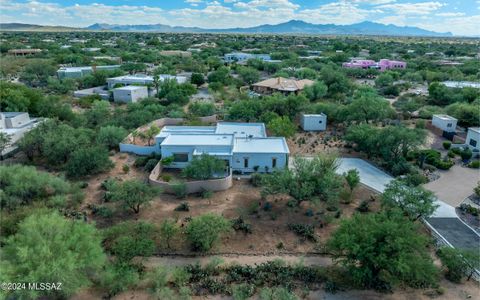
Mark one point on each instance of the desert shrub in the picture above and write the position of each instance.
(207, 194)
(239, 224)
(243, 291)
(415, 179)
(305, 231)
(166, 177)
(256, 179)
(180, 190)
(184, 206)
(466, 154)
(203, 231)
(447, 145)
(474, 164)
(364, 206)
(150, 164)
(119, 277)
(140, 161)
(125, 168)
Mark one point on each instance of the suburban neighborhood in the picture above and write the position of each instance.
(243, 160)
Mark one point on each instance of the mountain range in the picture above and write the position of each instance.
(290, 27)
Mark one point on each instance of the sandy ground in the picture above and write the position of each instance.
(467, 290)
(455, 185)
(269, 228)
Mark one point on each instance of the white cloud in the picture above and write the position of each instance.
(450, 14)
(420, 8)
(216, 14)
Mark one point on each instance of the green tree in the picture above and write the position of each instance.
(37, 72)
(368, 106)
(459, 263)
(23, 185)
(204, 167)
(316, 91)
(415, 202)
(197, 79)
(111, 136)
(353, 179)
(133, 194)
(151, 132)
(203, 231)
(381, 250)
(248, 75)
(50, 248)
(88, 161)
(282, 126)
(202, 109)
(168, 230)
(98, 114)
(307, 180)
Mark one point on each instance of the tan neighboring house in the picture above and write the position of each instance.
(23, 52)
(176, 53)
(282, 85)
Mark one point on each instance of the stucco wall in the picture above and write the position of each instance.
(138, 150)
(261, 160)
(214, 185)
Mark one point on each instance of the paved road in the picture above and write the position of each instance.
(444, 220)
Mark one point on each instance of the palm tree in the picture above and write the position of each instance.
(151, 132)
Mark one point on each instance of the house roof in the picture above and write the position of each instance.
(241, 129)
(130, 88)
(475, 129)
(261, 145)
(198, 130)
(284, 84)
(198, 140)
(445, 117)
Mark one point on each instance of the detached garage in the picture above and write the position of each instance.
(130, 93)
(314, 122)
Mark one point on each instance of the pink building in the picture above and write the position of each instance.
(386, 64)
(382, 65)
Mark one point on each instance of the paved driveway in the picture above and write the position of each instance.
(444, 219)
(370, 175)
(455, 184)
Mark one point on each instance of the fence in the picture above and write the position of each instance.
(214, 185)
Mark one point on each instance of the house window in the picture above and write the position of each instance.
(180, 157)
(320, 122)
(274, 162)
(245, 162)
(473, 143)
(449, 125)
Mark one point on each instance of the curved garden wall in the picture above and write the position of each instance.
(214, 185)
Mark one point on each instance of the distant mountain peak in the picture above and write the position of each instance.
(289, 27)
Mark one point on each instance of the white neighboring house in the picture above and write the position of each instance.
(244, 147)
(15, 125)
(473, 138)
(141, 79)
(314, 122)
(130, 93)
(444, 122)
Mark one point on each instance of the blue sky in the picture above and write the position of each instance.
(461, 17)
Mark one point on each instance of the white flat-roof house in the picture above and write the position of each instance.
(130, 93)
(245, 147)
(444, 122)
(15, 125)
(314, 122)
(240, 57)
(141, 79)
(473, 138)
(78, 72)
